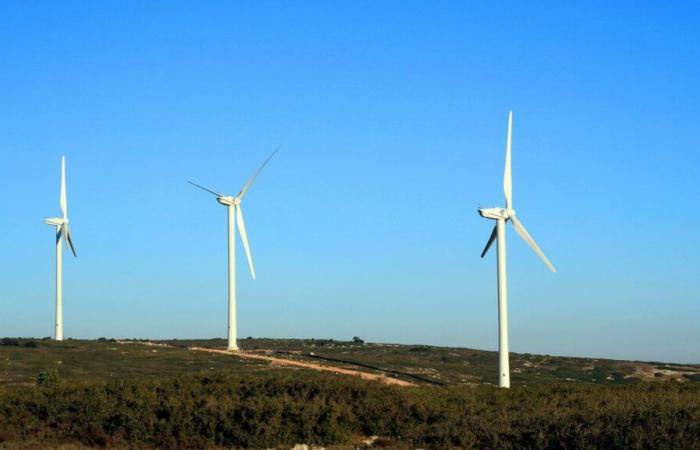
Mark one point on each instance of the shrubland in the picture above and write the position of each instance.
(282, 408)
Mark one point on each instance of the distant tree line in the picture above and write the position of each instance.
(262, 411)
(17, 342)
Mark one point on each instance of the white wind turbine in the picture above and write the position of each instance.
(235, 216)
(501, 216)
(62, 231)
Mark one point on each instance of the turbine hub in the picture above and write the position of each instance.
(496, 213)
(55, 222)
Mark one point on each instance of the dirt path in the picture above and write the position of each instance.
(309, 365)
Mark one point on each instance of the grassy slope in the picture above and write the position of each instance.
(458, 365)
(104, 360)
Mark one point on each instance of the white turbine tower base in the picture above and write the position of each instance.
(501, 216)
(59, 289)
(232, 332)
(235, 218)
(503, 364)
(62, 232)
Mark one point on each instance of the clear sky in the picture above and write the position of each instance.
(392, 121)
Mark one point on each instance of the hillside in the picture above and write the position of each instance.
(22, 360)
(339, 395)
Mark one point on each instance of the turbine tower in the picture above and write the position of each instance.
(62, 233)
(501, 216)
(235, 216)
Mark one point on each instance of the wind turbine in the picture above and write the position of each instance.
(235, 216)
(501, 216)
(62, 231)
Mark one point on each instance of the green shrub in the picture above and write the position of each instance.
(9, 342)
(49, 377)
(281, 409)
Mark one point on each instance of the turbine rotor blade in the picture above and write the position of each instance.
(244, 238)
(520, 229)
(69, 240)
(507, 177)
(494, 233)
(206, 189)
(62, 200)
(255, 175)
(59, 234)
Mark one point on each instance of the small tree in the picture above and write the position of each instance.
(47, 378)
(357, 340)
(9, 342)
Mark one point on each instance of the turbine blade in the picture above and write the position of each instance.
(244, 238)
(59, 234)
(507, 177)
(491, 239)
(255, 175)
(62, 201)
(69, 240)
(206, 189)
(520, 229)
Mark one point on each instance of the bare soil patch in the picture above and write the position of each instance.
(309, 365)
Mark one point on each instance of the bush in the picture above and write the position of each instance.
(420, 348)
(47, 378)
(275, 410)
(31, 344)
(9, 342)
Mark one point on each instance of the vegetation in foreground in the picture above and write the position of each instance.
(283, 408)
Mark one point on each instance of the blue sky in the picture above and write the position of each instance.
(392, 120)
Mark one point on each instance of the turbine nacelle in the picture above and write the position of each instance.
(496, 213)
(56, 221)
(228, 200)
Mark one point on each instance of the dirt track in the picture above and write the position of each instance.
(309, 365)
